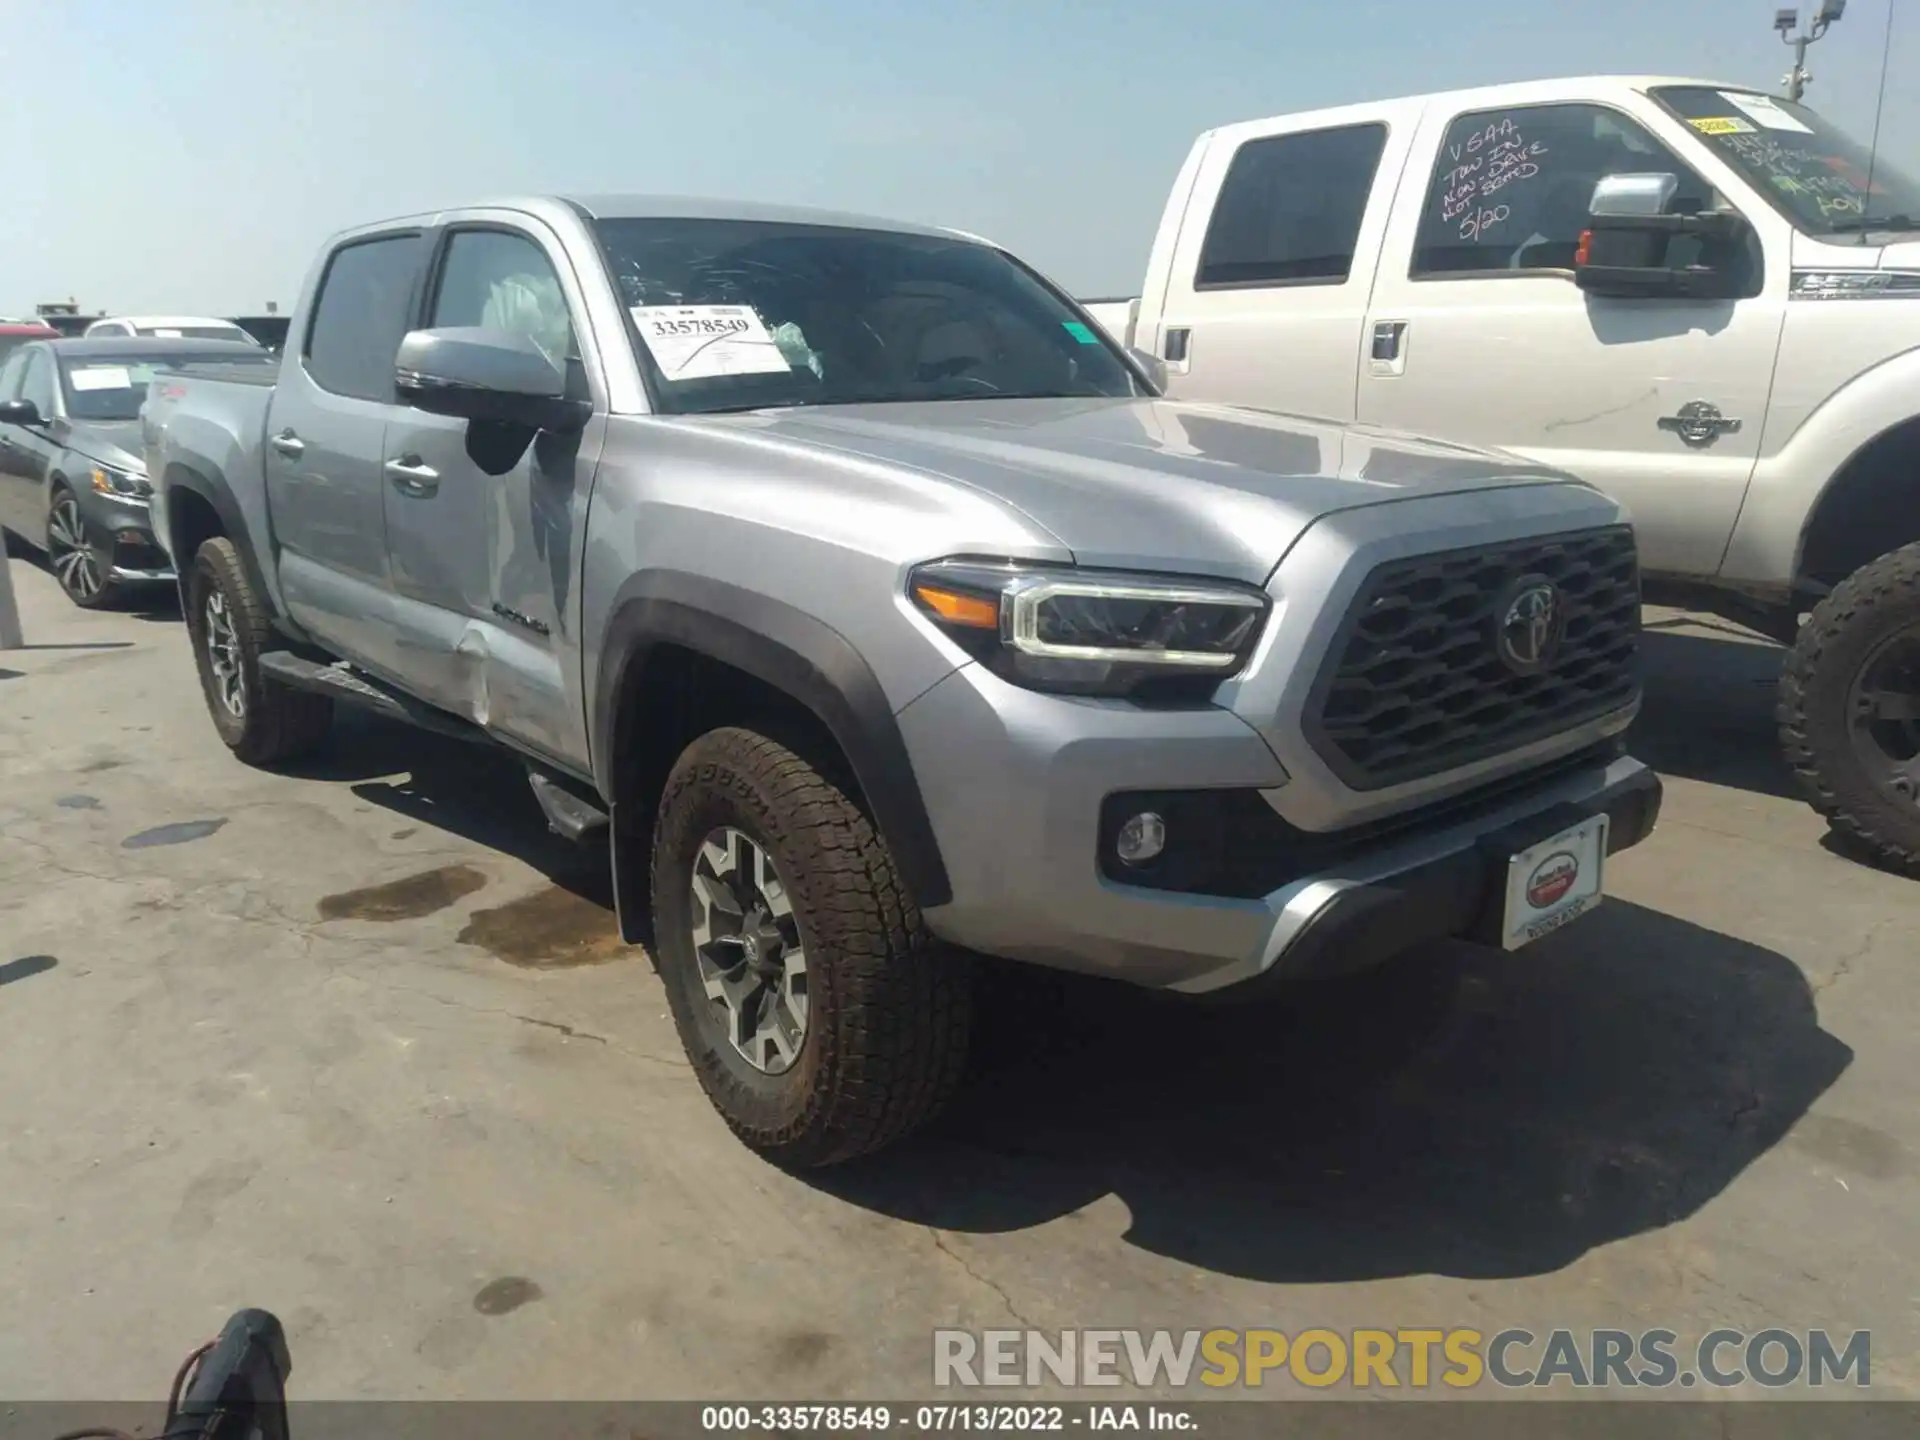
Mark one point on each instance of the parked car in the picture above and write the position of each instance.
(1660, 285)
(15, 333)
(169, 327)
(72, 479)
(880, 612)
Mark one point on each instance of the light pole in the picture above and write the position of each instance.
(1785, 21)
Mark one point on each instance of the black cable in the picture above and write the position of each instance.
(94, 1432)
(1879, 109)
(180, 1378)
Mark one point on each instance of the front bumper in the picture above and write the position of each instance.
(1015, 784)
(122, 535)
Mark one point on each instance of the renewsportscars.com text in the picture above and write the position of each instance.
(1402, 1359)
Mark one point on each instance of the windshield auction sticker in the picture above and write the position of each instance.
(694, 342)
(101, 377)
(1722, 125)
(1762, 110)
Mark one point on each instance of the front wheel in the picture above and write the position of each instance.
(1850, 709)
(75, 560)
(821, 1018)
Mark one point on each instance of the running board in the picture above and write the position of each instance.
(339, 682)
(570, 814)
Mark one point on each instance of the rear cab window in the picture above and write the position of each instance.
(361, 311)
(1290, 209)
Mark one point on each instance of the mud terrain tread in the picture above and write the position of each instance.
(1812, 681)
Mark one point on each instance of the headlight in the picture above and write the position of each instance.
(121, 484)
(1093, 632)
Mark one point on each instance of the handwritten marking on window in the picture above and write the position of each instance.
(1487, 161)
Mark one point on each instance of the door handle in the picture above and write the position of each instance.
(289, 444)
(411, 475)
(1387, 349)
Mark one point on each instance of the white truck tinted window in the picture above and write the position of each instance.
(1290, 208)
(1511, 188)
(360, 314)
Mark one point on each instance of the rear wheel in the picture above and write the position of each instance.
(1850, 709)
(821, 1018)
(76, 562)
(260, 720)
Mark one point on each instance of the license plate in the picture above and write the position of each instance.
(1554, 882)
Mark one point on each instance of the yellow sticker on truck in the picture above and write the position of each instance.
(1723, 125)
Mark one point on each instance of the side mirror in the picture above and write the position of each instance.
(1155, 367)
(21, 412)
(1634, 249)
(1624, 197)
(474, 373)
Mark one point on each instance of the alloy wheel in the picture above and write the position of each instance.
(223, 655)
(69, 551)
(747, 944)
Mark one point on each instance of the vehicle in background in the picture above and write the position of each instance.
(15, 333)
(881, 613)
(1701, 299)
(169, 327)
(72, 479)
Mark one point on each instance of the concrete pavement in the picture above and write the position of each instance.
(357, 1044)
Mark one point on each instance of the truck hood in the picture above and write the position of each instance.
(1151, 484)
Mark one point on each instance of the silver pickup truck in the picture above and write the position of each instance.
(878, 612)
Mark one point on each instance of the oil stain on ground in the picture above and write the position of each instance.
(77, 802)
(407, 898)
(176, 834)
(551, 929)
(505, 1295)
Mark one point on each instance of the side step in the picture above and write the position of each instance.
(571, 814)
(350, 687)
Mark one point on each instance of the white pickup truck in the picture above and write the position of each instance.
(1702, 300)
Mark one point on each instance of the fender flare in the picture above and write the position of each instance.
(796, 654)
(216, 492)
(1787, 486)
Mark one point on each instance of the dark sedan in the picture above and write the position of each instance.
(72, 478)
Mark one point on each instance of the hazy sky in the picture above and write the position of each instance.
(191, 155)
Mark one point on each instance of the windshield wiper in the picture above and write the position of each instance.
(1862, 223)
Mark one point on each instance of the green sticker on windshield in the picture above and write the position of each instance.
(1080, 332)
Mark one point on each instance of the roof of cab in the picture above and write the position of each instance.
(1520, 92)
(661, 207)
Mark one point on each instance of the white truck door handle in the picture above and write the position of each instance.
(288, 444)
(1387, 349)
(410, 475)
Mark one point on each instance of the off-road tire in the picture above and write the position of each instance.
(279, 723)
(889, 1007)
(1840, 635)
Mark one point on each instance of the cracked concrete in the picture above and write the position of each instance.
(1671, 1115)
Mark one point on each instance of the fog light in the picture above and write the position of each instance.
(1141, 839)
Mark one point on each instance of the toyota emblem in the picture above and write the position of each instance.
(1532, 620)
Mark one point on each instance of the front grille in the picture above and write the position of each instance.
(1414, 684)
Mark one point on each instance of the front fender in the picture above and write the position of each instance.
(1790, 479)
(794, 652)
